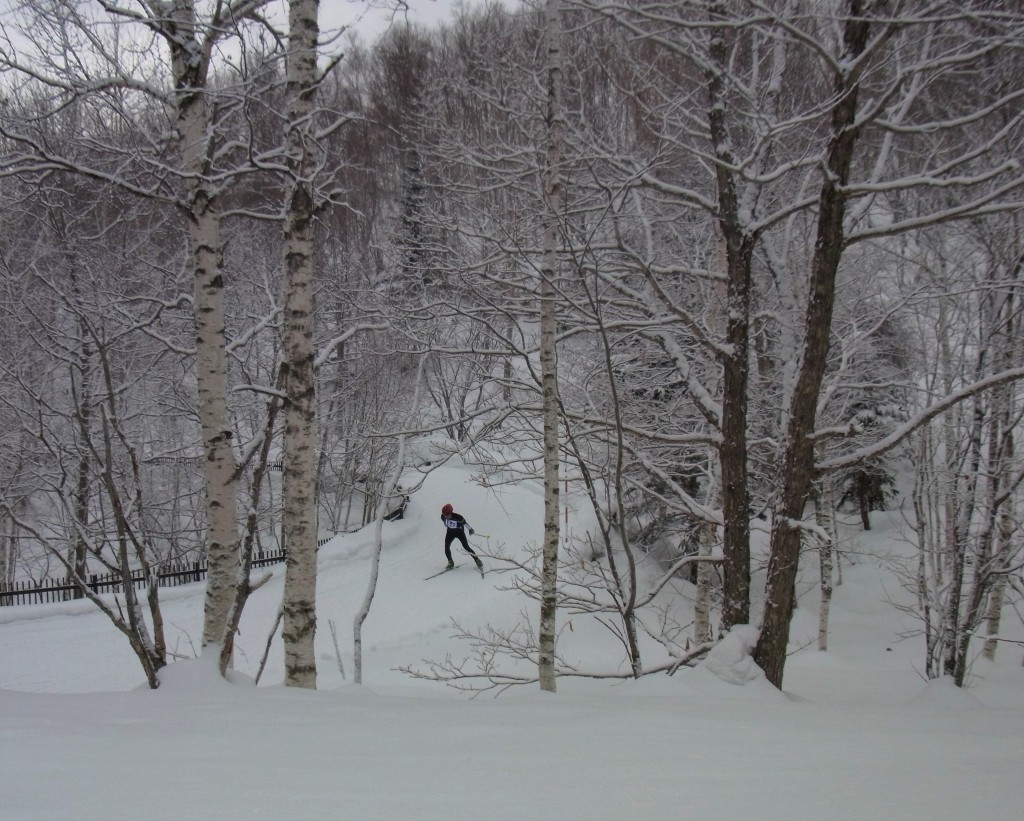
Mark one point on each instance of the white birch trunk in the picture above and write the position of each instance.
(993, 618)
(190, 63)
(824, 509)
(299, 519)
(1004, 405)
(1004, 552)
(211, 376)
(553, 206)
(702, 632)
(925, 517)
(391, 491)
(371, 590)
(7, 549)
(997, 595)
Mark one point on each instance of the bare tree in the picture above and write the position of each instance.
(300, 462)
(798, 464)
(191, 37)
(554, 204)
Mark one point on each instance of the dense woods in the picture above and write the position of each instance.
(724, 267)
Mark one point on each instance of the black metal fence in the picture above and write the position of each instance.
(172, 574)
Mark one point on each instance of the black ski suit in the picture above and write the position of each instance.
(455, 528)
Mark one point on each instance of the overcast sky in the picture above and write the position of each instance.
(370, 22)
(367, 18)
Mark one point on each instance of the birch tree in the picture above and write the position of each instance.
(553, 203)
(191, 35)
(967, 472)
(298, 375)
(191, 44)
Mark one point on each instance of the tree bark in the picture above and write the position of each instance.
(190, 54)
(83, 397)
(553, 206)
(300, 463)
(824, 509)
(798, 455)
(702, 633)
(960, 505)
(739, 249)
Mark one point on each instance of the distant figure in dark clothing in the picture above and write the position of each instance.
(455, 528)
(399, 511)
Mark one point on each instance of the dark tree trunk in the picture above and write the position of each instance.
(865, 510)
(739, 248)
(798, 457)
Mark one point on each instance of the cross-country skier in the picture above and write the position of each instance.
(455, 528)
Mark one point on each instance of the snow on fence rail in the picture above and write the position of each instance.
(197, 461)
(173, 575)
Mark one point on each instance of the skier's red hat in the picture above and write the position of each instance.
(447, 509)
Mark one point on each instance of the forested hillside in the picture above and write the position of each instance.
(716, 270)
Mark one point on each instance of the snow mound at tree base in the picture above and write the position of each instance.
(943, 695)
(199, 674)
(731, 660)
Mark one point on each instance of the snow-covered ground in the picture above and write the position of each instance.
(857, 734)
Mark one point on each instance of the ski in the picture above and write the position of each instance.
(439, 572)
(442, 572)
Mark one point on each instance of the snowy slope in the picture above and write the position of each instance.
(857, 734)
